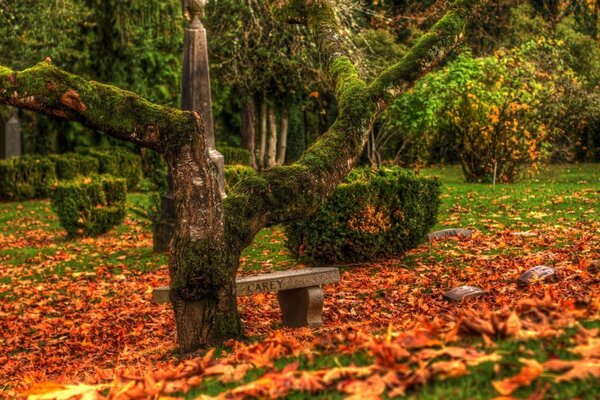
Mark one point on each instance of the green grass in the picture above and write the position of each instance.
(558, 195)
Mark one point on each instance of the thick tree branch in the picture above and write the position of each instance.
(431, 48)
(284, 193)
(120, 113)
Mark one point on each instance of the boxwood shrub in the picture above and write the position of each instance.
(235, 173)
(89, 206)
(71, 165)
(26, 177)
(116, 161)
(372, 214)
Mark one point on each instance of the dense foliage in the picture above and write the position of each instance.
(494, 113)
(90, 206)
(373, 213)
(133, 44)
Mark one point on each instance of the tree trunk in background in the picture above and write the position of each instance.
(249, 129)
(282, 143)
(263, 134)
(272, 150)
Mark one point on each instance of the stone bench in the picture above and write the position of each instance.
(298, 291)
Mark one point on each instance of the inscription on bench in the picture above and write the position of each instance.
(263, 287)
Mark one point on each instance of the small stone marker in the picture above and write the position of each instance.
(449, 232)
(537, 273)
(524, 234)
(464, 292)
(298, 291)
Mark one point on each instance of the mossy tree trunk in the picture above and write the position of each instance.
(211, 233)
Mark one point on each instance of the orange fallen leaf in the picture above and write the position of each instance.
(530, 371)
(53, 391)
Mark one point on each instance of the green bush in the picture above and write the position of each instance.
(235, 155)
(90, 206)
(373, 213)
(71, 165)
(117, 161)
(235, 173)
(26, 177)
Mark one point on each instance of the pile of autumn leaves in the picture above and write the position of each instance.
(401, 361)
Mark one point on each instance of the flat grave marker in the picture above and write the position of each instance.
(464, 292)
(537, 273)
(449, 233)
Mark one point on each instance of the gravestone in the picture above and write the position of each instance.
(464, 292)
(10, 138)
(537, 273)
(449, 232)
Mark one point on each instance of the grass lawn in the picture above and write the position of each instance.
(73, 311)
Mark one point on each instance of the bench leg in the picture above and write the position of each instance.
(301, 307)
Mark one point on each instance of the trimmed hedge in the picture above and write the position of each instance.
(89, 206)
(26, 177)
(116, 161)
(373, 213)
(235, 173)
(235, 155)
(71, 165)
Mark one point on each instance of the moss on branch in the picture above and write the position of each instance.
(429, 50)
(285, 193)
(47, 89)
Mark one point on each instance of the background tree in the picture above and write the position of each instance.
(210, 232)
(133, 44)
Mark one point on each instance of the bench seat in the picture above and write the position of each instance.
(298, 291)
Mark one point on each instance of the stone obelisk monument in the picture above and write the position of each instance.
(196, 78)
(195, 97)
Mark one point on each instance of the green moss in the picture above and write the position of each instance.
(203, 267)
(118, 112)
(444, 35)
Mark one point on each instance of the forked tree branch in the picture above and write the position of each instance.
(46, 89)
(285, 193)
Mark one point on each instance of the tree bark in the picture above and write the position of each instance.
(272, 149)
(263, 134)
(283, 133)
(249, 129)
(211, 233)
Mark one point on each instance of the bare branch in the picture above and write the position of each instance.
(120, 113)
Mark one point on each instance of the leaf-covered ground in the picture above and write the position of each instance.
(79, 313)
